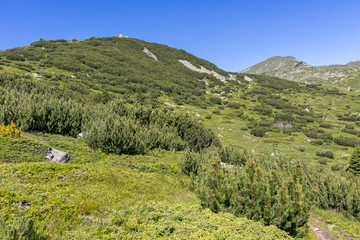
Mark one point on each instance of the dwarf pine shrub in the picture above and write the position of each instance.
(327, 154)
(354, 164)
(331, 191)
(259, 194)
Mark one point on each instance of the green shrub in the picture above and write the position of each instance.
(345, 141)
(283, 117)
(121, 128)
(325, 125)
(263, 110)
(215, 100)
(259, 194)
(354, 164)
(233, 155)
(317, 142)
(337, 167)
(235, 105)
(115, 134)
(327, 154)
(258, 131)
(333, 191)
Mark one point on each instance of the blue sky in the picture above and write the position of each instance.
(231, 34)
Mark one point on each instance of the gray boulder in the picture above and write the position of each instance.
(57, 156)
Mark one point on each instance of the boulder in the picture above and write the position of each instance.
(58, 156)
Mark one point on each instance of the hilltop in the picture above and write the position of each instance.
(344, 76)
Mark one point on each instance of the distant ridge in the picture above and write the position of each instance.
(345, 76)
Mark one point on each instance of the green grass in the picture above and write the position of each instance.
(106, 196)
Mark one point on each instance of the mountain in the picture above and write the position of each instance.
(163, 144)
(345, 76)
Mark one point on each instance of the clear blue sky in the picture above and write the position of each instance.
(232, 34)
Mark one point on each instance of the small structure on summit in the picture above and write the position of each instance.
(122, 36)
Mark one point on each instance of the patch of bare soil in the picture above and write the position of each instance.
(320, 233)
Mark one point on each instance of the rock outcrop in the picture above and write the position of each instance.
(58, 156)
(204, 70)
(150, 54)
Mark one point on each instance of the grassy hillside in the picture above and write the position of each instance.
(154, 135)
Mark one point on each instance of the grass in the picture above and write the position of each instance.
(107, 196)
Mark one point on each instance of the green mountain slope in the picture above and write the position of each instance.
(342, 76)
(124, 102)
(114, 64)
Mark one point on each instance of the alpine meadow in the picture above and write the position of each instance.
(156, 143)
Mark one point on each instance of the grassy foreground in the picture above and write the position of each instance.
(105, 196)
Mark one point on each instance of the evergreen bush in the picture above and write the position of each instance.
(259, 194)
(354, 164)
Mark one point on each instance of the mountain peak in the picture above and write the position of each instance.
(274, 63)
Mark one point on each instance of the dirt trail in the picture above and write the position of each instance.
(321, 234)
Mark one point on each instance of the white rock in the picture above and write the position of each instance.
(58, 156)
(36, 75)
(204, 70)
(224, 165)
(122, 36)
(150, 54)
(246, 78)
(170, 104)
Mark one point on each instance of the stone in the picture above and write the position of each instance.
(58, 156)
(150, 54)
(222, 78)
(224, 165)
(36, 75)
(249, 79)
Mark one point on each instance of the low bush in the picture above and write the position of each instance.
(327, 154)
(258, 131)
(235, 105)
(325, 125)
(233, 155)
(317, 142)
(346, 141)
